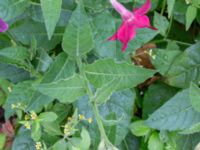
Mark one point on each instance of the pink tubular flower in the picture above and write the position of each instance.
(131, 21)
(3, 25)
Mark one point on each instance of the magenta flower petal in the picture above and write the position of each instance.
(125, 13)
(131, 21)
(3, 25)
(141, 21)
(125, 33)
(143, 9)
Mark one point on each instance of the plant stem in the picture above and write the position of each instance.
(92, 102)
(170, 26)
(80, 66)
(163, 7)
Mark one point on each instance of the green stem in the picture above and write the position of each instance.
(80, 66)
(179, 42)
(93, 104)
(100, 124)
(170, 26)
(163, 6)
(171, 40)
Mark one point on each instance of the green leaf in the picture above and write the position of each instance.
(187, 142)
(193, 129)
(170, 7)
(155, 96)
(67, 90)
(130, 143)
(176, 114)
(11, 9)
(61, 68)
(60, 145)
(43, 60)
(103, 30)
(155, 142)
(77, 39)
(23, 140)
(25, 30)
(85, 142)
(185, 68)
(22, 94)
(104, 93)
(121, 104)
(47, 117)
(13, 73)
(161, 23)
(15, 55)
(163, 59)
(2, 140)
(52, 128)
(62, 110)
(139, 128)
(36, 131)
(195, 96)
(179, 11)
(103, 71)
(143, 36)
(51, 11)
(191, 14)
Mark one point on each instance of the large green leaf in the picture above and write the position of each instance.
(176, 114)
(51, 12)
(15, 55)
(163, 59)
(121, 105)
(13, 73)
(104, 93)
(66, 90)
(62, 144)
(103, 71)
(130, 143)
(104, 30)
(155, 96)
(23, 140)
(36, 15)
(10, 9)
(25, 30)
(61, 68)
(22, 94)
(186, 68)
(143, 36)
(43, 60)
(195, 96)
(78, 38)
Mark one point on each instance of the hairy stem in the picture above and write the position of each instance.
(93, 104)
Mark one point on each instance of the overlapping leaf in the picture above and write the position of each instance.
(67, 90)
(186, 68)
(103, 71)
(77, 39)
(176, 114)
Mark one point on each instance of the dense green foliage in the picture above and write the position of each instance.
(66, 87)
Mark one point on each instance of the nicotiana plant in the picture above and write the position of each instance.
(99, 74)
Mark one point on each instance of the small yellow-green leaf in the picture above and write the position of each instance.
(139, 128)
(155, 142)
(48, 116)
